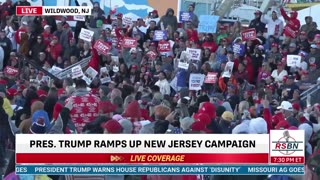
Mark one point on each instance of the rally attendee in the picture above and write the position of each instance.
(85, 105)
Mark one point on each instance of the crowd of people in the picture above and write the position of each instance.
(260, 94)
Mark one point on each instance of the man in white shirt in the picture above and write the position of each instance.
(163, 84)
(274, 24)
(279, 73)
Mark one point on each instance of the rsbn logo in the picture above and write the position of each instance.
(287, 145)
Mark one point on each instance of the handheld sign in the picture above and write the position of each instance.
(79, 18)
(293, 60)
(195, 53)
(76, 72)
(249, 34)
(159, 35)
(86, 34)
(129, 43)
(152, 55)
(89, 75)
(184, 60)
(127, 21)
(208, 24)
(211, 78)
(196, 81)
(185, 16)
(102, 47)
(164, 46)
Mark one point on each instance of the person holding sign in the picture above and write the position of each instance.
(292, 23)
(194, 17)
(256, 22)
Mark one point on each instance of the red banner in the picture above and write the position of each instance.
(211, 78)
(129, 43)
(249, 34)
(151, 54)
(164, 46)
(134, 158)
(102, 47)
(10, 71)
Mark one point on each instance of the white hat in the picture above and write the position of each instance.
(46, 26)
(286, 105)
(24, 22)
(258, 126)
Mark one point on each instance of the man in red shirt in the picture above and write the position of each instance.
(85, 106)
(20, 31)
(47, 36)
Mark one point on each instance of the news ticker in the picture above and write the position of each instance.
(53, 10)
(278, 148)
(160, 170)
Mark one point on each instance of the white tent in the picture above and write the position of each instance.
(312, 11)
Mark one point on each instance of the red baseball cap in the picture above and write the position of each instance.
(41, 93)
(11, 92)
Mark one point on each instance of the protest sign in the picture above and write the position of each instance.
(293, 60)
(129, 43)
(55, 70)
(151, 54)
(104, 75)
(185, 16)
(173, 84)
(159, 35)
(89, 75)
(238, 48)
(196, 81)
(249, 34)
(76, 72)
(211, 78)
(127, 21)
(183, 64)
(11, 71)
(184, 60)
(195, 53)
(164, 46)
(229, 67)
(102, 47)
(86, 34)
(79, 18)
(208, 24)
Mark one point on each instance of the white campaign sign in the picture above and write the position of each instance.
(79, 18)
(293, 60)
(196, 81)
(195, 53)
(76, 72)
(86, 34)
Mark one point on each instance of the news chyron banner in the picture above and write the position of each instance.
(53, 10)
(281, 152)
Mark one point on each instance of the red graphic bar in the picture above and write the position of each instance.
(287, 160)
(86, 158)
(28, 10)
